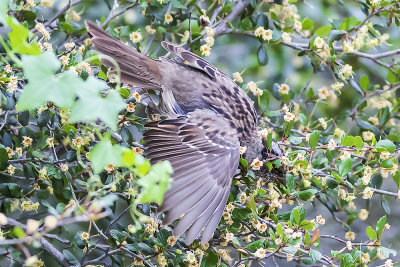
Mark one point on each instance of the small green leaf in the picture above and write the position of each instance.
(393, 77)
(211, 259)
(307, 24)
(315, 255)
(279, 229)
(290, 183)
(70, 257)
(353, 141)
(255, 245)
(3, 11)
(264, 101)
(323, 31)
(386, 252)
(306, 194)
(371, 233)
(262, 20)
(345, 167)
(331, 183)
(262, 55)
(380, 226)
(296, 215)
(246, 24)
(364, 83)
(386, 144)
(314, 137)
(18, 39)
(105, 153)
(349, 23)
(396, 178)
(3, 158)
(156, 182)
(43, 86)
(295, 140)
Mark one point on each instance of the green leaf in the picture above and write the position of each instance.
(371, 233)
(178, 4)
(307, 24)
(386, 252)
(352, 141)
(246, 24)
(345, 167)
(396, 178)
(105, 153)
(315, 255)
(290, 183)
(241, 213)
(392, 77)
(279, 229)
(18, 39)
(295, 140)
(331, 183)
(117, 235)
(15, 189)
(43, 86)
(269, 141)
(349, 23)
(264, 101)
(91, 105)
(3, 158)
(364, 83)
(314, 136)
(385, 205)
(262, 20)
(255, 245)
(380, 226)
(262, 55)
(156, 182)
(323, 31)
(3, 11)
(70, 257)
(386, 144)
(366, 125)
(211, 259)
(306, 194)
(388, 163)
(296, 215)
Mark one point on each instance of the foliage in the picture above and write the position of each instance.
(75, 189)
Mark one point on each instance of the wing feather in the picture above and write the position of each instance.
(203, 151)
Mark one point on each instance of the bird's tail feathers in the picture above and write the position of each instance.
(134, 67)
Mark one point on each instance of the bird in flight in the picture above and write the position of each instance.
(207, 119)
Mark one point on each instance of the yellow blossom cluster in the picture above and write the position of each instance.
(12, 84)
(252, 86)
(33, 261)
(40, 28)
(151, 226)
(136, 37)
(287, 14)
(28, 205)
(322, 48)
(209, 41)
(237, 77)
(266, 35)
(361, 38)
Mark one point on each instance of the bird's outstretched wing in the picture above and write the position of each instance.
(204, 153)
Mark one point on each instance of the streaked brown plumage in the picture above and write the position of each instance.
(208, 118)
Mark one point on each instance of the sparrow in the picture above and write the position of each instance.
(208, 117)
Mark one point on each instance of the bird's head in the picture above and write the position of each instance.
(265, 153)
